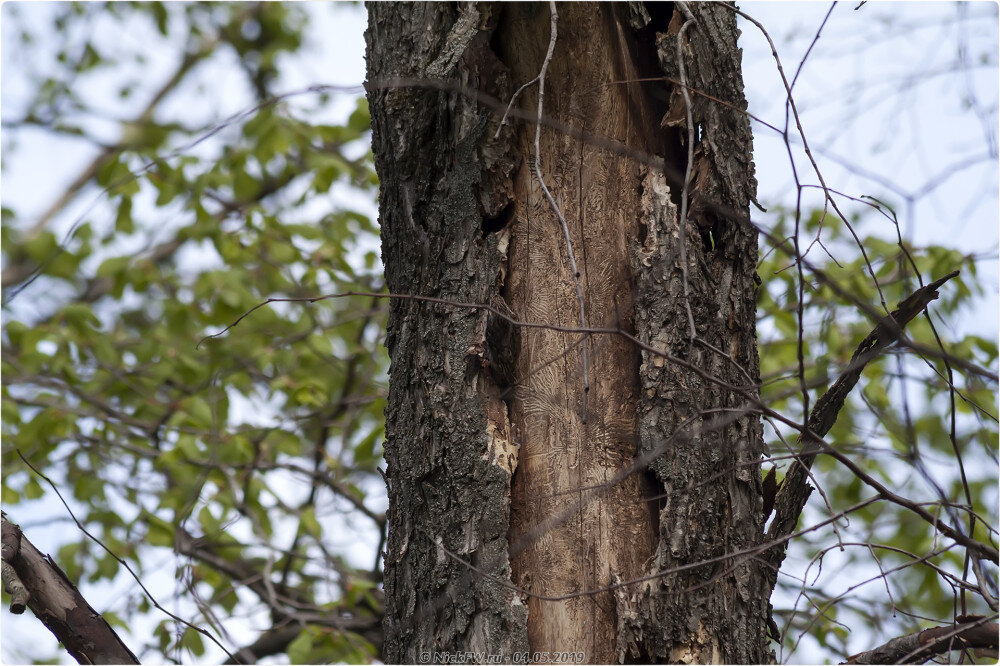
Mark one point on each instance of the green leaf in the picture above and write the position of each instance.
(87, 488)
(123, 221)
(113, 267)
(33, 489)
(361, 119)
(158, 531)
(300, 649)
(9, 496)
(310, 523)
(68, 559)
(244, 186)
(192, 640)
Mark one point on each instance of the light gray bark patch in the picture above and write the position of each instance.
(461, 33)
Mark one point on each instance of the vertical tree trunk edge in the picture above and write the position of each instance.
(455, 205)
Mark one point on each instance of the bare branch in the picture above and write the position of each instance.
(57, 602)
(795, 489)
(974, 633)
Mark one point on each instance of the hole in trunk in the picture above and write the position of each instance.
(491, 225)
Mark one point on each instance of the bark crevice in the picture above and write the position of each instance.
(695, 430)
(442, 174)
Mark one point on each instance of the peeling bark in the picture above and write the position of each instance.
(509, 471)
(708, 447)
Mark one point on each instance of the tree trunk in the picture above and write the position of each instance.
(509, 488)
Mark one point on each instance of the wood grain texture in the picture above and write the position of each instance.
(574, 526)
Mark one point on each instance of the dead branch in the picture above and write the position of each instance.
(975, 633)
(56, 601)
(795, 489)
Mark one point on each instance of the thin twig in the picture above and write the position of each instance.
(553, 22)
(749, 552)
(120, 560)
(886, 331)
(808, 152)
(687, 174)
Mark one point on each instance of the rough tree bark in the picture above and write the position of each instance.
(505, 494)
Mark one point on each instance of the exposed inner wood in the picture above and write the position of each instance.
(571, 530)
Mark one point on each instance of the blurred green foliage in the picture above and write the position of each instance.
(896, 425)
(260, 443)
